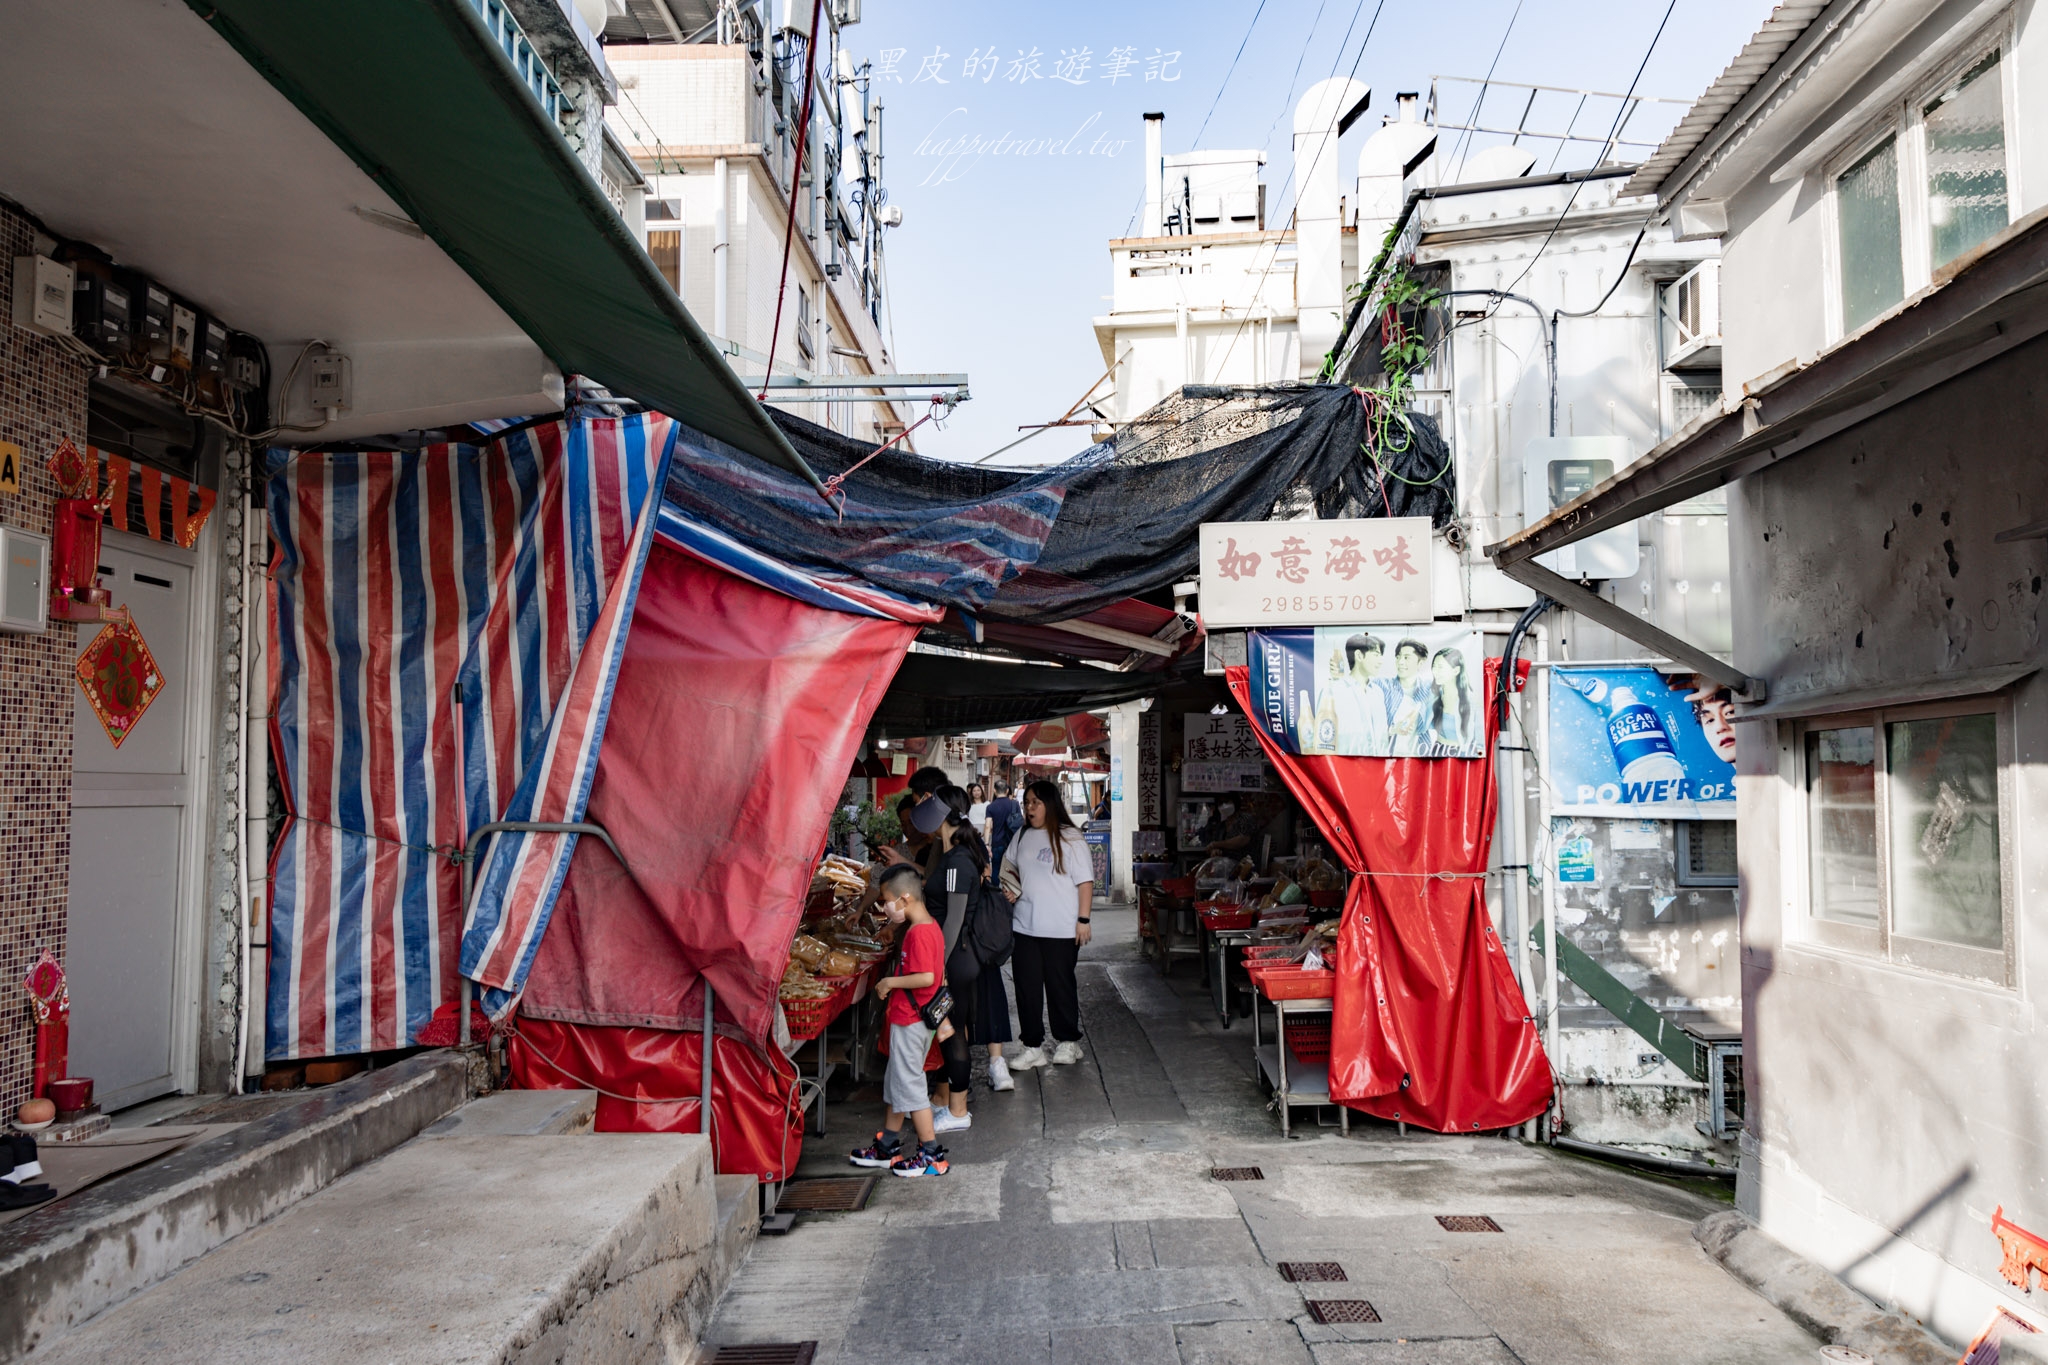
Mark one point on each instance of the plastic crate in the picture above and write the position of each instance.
(1226, 914)
(1309, 1039)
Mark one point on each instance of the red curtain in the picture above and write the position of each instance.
(1430, 1025)
(736, 718)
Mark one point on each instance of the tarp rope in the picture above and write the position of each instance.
(832, 485)
(796, 180)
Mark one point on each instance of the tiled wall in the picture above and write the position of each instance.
(42, 400)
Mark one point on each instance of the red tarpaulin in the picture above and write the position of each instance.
(737, 713)
(757, 1126)
(1430, 1026)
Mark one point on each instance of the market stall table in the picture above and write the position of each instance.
(1296, 1080)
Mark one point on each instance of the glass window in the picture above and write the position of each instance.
(1943, 836)
(1841, 806)
(1867, 211)
(1966, 200)
(666, 248)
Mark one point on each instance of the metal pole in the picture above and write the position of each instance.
(704, 1113)
(1527, 839)
(1549, 905)
(482, 832)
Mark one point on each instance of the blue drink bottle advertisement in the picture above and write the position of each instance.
(1636, 742)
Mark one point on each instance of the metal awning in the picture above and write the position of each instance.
(1978, 307)
(420, 95)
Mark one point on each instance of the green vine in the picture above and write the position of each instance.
(1396, 296)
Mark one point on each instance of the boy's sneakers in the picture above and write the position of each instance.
(1066, 1054)
(882, 1151)
(999, 1075)
(1029, 1058)
(946, 1121)
(924, 1161)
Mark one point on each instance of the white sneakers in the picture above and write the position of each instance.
(999, 1075)
(946, 1121)
(1066, 1054)
(1028, 1059)
(1063, 1054)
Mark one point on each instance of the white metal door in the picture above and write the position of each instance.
(133, 824)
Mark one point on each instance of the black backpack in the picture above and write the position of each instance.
(988, 926)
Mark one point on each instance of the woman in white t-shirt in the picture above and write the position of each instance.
(1049, 876)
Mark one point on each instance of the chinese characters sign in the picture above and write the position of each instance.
(1270, 573)
(1216, 739)
(1150, 778)
(1067, 65)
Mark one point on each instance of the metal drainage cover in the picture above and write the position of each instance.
(767, 1353)
(1236, 1173)
(1466, 1222)
(1308, 1272)
(1342, 1310)
(825, 1196)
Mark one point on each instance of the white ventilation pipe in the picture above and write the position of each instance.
(721, 247)
(1323, 114)
(1155, 174)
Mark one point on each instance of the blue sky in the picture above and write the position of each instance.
(1002, 258)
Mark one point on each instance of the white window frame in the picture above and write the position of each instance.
(1992, 965)
(1905, 119)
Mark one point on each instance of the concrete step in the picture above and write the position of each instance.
(569, 1249)
(62, 1264)
(521, 1113)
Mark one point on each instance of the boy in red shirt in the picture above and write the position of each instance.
(921, 972)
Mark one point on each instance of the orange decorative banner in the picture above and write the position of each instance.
(2026, 1253)
(146, 501)
(120, 678)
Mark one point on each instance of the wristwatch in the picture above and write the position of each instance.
(1080, 919)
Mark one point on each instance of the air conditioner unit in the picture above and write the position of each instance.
(1690, 309)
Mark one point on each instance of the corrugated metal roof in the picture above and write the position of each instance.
(1757, 57)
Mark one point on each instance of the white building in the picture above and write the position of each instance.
(710, 114)
(1566, 330)
(1877, 173)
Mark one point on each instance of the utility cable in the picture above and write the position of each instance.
(1620, 116)
(1465, 138)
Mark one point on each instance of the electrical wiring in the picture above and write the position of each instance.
(1465, 138)
(1620, 115)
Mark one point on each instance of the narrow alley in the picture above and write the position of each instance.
(1081, 1225)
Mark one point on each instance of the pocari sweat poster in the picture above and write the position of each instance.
(1636, 742)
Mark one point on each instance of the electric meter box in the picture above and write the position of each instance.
(1559, 469)
(101, 309)
(42, 295)
(209, 345)
(149, 305)
(24, 581)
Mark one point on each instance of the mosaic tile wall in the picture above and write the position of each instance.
(42, 400)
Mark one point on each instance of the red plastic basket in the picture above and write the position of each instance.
(1183, 887)
(807, 1018)
(1309, 1039)
(1326, 900)
(1296, 983)
(1265, 952)
(1226, 914)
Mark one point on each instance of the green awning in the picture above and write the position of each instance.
(422, 97)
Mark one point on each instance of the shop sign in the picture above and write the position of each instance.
(10, 467)
(1414, 692)
(1208, 738)
(1634, 742)
(1151, 806)
(1225, 777)
(1369, 571)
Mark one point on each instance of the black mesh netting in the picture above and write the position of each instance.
(1133, 506)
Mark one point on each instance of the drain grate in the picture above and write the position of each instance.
(1466, 1222)
(1236, 1173)
(1342, 1310)
(767, 1353)
(826, 1196)
(1311, 1272)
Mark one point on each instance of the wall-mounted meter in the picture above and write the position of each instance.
(24, 580)
(1557, 470)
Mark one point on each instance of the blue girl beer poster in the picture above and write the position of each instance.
(1371, 692)
(1636, 742)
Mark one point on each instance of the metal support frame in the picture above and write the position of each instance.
(468, 860)
(1575, 597)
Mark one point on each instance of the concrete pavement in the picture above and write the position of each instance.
(1080, 1224)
